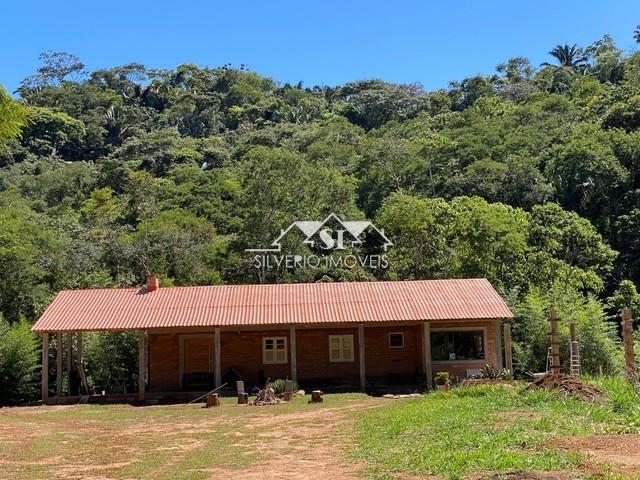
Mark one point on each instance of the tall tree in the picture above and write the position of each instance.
(13, 116)
(568, 55)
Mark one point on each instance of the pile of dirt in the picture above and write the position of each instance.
(568, 385)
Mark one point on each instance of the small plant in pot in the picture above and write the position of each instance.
(442, 381)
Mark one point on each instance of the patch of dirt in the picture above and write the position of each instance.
(305, 445)
(620, 452)
(568, 385)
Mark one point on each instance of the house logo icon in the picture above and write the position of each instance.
(330, 234)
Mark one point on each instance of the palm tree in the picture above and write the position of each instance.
(13, 116)
(636, 34)
(567, 56)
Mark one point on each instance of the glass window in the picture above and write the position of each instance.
(396, 340)
(274, 350)
(341, 348)
(460, 345)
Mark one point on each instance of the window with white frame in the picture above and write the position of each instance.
(341, 348)
(274, 350)
(396, 340)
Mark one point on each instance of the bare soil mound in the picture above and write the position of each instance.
(568, 385)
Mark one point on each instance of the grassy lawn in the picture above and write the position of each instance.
(489, 429)
(468, 432)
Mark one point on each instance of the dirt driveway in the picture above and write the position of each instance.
(296, 441)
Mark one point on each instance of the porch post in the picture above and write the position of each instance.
(508, 354)
(80, 366)
(294, 364)
(216, 353)
(363, 370)
(59, 348)
(142, 364)
(79, 349)
(426, 340)
(499, 342)
(45, 367)
(68, 361)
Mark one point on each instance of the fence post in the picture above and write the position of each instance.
(555, 343)
(627, 334)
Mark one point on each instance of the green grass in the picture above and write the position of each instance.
(468, 431)
(488, 428)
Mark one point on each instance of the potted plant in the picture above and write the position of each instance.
(442, 381)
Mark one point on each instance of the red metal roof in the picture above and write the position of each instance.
(280, 304)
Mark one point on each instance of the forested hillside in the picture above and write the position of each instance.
(529, 177)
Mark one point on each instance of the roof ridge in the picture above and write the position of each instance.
(229, 285)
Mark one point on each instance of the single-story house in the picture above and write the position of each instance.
(353, 335)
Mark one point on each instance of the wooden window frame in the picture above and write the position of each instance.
(485, 344)
(275, 361)
(396, 333)
(342, 358)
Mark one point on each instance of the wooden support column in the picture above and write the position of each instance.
(294, 355)
(363, 370)
(68, 361)
(59, 349)
(426, 341)
(627, 335)
(217, 356)
(80, 365)
(508, 353)
(45, 367)
(555, 343)
(499, 354)
(79, 348)
(142, 364)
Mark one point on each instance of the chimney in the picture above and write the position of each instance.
(153, 283)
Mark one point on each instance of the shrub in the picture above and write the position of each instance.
(279, 386)
(491, 372)
(19, 363)
(442, 378)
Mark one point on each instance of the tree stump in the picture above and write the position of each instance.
(243, 398)
(288, 391)
(316, 396)
(213, 400)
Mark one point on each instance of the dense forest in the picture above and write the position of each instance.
(529, 177)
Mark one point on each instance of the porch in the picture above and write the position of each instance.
(373, 357)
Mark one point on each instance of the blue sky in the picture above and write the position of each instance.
(323, 42)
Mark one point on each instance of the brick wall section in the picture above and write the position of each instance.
(459, 368)
(242, 351)
(314, 367)
(163, 363)
(387, 365)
